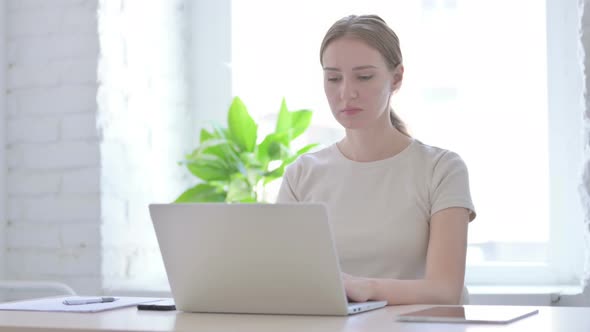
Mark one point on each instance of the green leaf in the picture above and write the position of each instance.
(297, 121)
(221, 132)
(250, 159)
(300, 120)
(274, 174)
(242, 127)
(215, 143)
(209, 167)
(205, 135)
(202, 192)
(239, 190)
(267, 150)
(284, 152)
(214, 146)
(284, 119)
(274, 151)
(279, 171)
(254, 176)
(223, 148)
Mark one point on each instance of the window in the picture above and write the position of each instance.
(483, 78)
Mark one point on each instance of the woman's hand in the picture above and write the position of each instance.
(357, 289)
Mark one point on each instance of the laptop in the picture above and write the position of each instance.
(252, 258)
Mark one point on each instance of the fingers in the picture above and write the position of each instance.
(356, 289)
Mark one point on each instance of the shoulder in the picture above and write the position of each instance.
(449, 180)
(437, 158)
(313, 160)
(312, 167)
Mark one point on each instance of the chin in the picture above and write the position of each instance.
(351, 124)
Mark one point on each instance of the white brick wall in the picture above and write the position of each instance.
(78, 195)
(55, 208)
(52, 144)
(54, 100)
(36, 18)
(35, 129)
(146, 128)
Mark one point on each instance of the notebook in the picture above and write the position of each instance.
(481, 314)
(58, 304)
(252, 258)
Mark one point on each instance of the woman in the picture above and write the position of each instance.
(399, 209)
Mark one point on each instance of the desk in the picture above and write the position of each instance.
(130, 319)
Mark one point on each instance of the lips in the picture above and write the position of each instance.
(350, 111)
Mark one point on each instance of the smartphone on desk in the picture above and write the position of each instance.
(162, 305)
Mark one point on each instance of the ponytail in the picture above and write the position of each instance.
(397, 122)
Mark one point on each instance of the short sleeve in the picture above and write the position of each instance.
(450, 185)
(286, 192)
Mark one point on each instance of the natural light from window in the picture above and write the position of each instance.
(474, 84)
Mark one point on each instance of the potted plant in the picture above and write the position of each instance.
(230, 163)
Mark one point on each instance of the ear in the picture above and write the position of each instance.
(398, 77)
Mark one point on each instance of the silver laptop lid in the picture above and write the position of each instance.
(250, 258)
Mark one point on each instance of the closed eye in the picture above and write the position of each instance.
(333, 79)
(365, 77)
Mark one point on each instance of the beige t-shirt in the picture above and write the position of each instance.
(380, 211)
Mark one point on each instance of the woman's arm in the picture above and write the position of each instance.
(445, 268)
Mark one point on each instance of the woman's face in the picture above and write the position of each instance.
(357, 82)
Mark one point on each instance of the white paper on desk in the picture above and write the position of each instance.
(56, 304)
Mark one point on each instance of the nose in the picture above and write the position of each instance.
(348, 90)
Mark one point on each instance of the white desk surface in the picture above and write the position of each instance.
(130, 319)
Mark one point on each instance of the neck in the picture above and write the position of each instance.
(372, 144)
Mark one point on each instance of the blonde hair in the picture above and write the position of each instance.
(372, 30)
